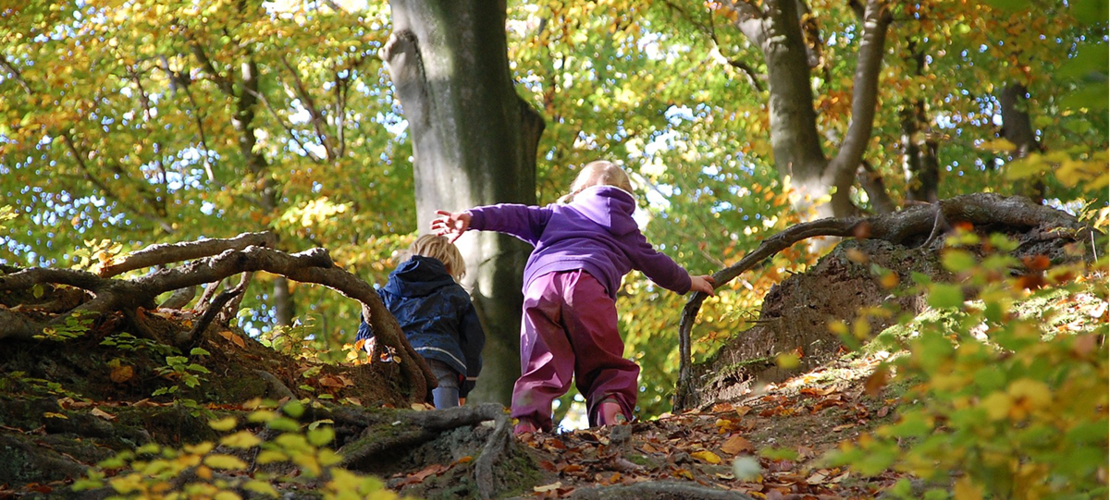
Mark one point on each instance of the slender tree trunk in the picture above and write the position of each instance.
(919, 149)
(1017, 128)
(474, 143)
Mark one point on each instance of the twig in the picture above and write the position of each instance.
(214, 308)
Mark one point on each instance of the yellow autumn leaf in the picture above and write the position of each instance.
(997, 405)
(227, 495)
(225, 462)
(707, 456)
(270, 456)
(261, 487)
(241, 439)
(223, 424)
(967, 490)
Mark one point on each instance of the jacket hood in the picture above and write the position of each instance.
(601, 203)
(417, 277)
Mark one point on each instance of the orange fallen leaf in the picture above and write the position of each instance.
(737, 444)
(233, 338)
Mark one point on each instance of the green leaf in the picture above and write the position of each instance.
(958, 260)
(943, 295)
(320, 436)
(293, 408)
(284, 424)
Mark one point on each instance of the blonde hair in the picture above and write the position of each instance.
(598, 173)
(441, 249)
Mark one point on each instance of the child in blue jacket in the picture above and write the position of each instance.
(436, 315)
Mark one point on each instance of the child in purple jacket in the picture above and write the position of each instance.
(583, 248)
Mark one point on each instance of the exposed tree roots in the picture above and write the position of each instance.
(217, 259)
(657, 490)
(918, 225)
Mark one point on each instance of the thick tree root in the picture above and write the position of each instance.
(404, 429)
(656, 490)
(493, 451)
(920, 222)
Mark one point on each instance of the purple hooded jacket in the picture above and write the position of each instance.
(595, 232)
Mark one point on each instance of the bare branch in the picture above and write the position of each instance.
(15, 74)
(314, 113)
(160, 254)
(214, 309)
(221, 81)
(68, 141)
(288, 129)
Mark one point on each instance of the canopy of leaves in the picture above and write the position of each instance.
(126, 123)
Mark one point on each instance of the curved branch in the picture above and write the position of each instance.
(156, 255)
(312, 266)
(978, 209)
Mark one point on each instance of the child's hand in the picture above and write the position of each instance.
(702, 284)
(450, 223)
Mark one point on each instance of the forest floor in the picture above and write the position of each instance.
(68, 404)
(768, 444)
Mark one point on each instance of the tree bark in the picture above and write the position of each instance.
(1017, 128)
(919, 149)
(474, 143)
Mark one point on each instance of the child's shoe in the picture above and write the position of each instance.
(610, 413)
(524, 426)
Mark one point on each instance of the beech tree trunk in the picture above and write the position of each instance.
(474, 143)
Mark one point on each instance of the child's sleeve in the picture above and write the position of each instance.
(365, 331)
(523, 221)
(656, 265)
(473, 339)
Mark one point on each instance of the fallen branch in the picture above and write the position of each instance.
(898, 228)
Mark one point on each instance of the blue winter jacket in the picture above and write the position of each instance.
(436, 315)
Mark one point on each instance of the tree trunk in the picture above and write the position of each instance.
(1017, 128)
(474, 143)
(919, 150)
(775, 29)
